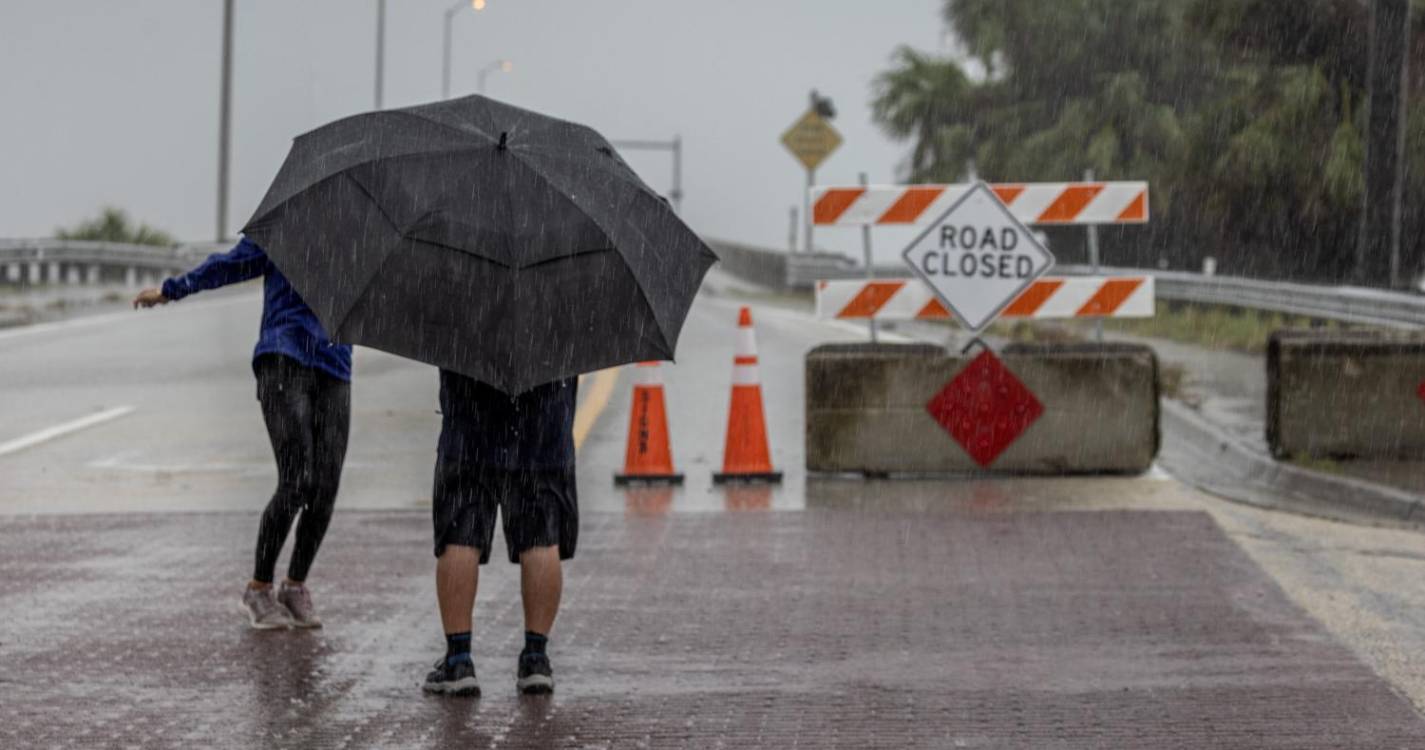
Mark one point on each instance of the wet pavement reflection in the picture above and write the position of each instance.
(987, 617)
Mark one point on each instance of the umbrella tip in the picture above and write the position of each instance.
(504, 136)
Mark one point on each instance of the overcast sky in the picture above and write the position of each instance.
(117, 102)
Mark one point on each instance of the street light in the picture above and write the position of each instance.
(504, 66)
(225, 120)
(449, 19)
(380, 49)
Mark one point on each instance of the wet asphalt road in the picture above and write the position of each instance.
(997, 613)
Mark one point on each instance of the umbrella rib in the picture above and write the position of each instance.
(413, 154)
(366, 285)
(446, 125)
(562, 195)
(597, 222)
(365, 290)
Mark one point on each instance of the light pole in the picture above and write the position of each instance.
(225, 117)
(380, 48)
(449, 20)
(503, 66)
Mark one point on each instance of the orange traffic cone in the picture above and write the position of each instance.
(649, 459)
(746, 458)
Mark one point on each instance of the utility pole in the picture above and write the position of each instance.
(225, 117)
(445, 54)
(1378, 248)
(380, 48)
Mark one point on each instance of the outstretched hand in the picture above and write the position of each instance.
(149, 298)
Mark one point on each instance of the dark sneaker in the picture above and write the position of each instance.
(263, 610)
(298, 601)
(453, 679)
(535, 675)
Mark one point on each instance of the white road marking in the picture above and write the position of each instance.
(125, 462)
(60, 430)
(121, 462)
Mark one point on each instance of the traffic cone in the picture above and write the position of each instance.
(649, 459)
(746, 457)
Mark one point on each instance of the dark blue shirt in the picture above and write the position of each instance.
(485, 426)
(289, 327)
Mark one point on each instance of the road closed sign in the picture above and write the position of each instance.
(978, 257)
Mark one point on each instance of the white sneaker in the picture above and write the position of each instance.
(263, 610)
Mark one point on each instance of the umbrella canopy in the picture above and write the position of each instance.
(507, 245)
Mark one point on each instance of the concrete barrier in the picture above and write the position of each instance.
(780, 270)
(1346, 394)
(866, 410)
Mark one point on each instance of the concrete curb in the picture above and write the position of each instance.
(1213, 460)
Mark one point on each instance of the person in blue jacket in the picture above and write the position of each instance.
(304, 388)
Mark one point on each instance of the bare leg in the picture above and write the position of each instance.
(541, 584)
(457, 576)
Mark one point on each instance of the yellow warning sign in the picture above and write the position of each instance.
(811, 139)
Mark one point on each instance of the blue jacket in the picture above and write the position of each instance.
(288, 328)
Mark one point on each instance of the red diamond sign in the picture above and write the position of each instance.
(1422, 390)
(985, 408)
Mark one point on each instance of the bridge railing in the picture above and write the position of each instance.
(1347, 304)
(76, 261)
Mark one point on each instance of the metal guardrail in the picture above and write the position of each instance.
(83, 252)
(775, 268)
(778, 270)
(1347, 304)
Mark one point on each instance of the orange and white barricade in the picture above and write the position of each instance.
(1048, 298)
(1036, 203)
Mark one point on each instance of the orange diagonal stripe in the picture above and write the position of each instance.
(1137, 210)
(933, 310)
(871, 298)
(1007, 193)
(833, 203)
(1069, 204)
(1032, 299)
(1107, 299)
(910, 205)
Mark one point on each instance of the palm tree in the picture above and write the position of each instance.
(930, 101)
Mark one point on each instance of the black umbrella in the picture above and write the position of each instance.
(483, 238)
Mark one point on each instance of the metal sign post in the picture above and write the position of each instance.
(870, 264)
(1093, 259)
(811, 139)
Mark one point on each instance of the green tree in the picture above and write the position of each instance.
(114, 225)
(1244, 115)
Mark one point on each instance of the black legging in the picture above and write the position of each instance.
(308, 415)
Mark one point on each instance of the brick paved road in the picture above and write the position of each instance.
(819, 629)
